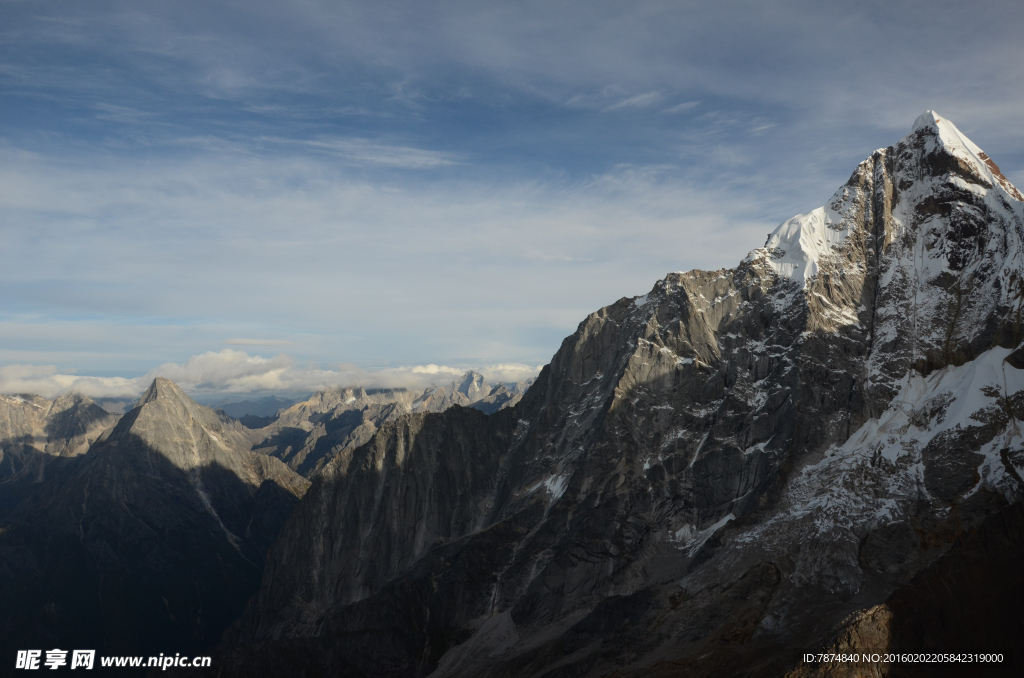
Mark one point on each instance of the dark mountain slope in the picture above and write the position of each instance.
(150, 542)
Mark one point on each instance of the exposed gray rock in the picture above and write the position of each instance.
(150, 542)
(502, 396)
(703, 477)
(309, 434)
(34, 430)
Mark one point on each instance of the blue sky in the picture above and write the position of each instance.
(318, 191)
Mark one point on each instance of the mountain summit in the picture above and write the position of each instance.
(738, 463)
(150, 541)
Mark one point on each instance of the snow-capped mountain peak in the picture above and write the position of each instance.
(946, 136)
(934, 169)
(946, 132)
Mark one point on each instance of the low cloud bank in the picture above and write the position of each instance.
(231, 371)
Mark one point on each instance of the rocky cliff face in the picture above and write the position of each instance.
(150, 542)
(704, 477)
(307, 435)
(31, 426)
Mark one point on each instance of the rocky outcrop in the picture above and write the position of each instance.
(307, 435)
(38, 436)
(704, 477)
(63, 427)
(150, 542)
(472, 390)
(501, 396)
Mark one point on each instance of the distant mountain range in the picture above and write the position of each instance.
(310, 433)
(262, 407)
(144, 533)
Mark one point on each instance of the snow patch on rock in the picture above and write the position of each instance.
(873, 477)
(555, 485)
(798, 245)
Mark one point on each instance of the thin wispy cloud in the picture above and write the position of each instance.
(637, 101)
(365, 151)
(682, 108)
(122, 114)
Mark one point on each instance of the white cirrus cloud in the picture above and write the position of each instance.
(366, 151)
(637, 101)
(683, 107)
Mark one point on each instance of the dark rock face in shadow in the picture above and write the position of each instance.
(704, 478)
(34, 432)
(969, 600)
(151, 542)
